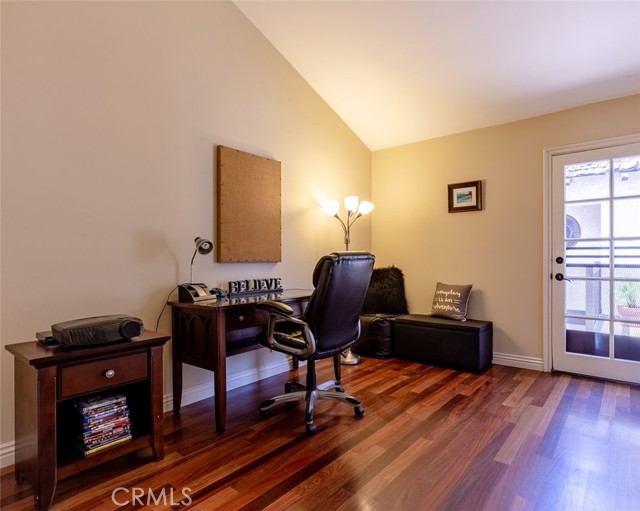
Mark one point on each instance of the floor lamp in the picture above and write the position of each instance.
(355, 209)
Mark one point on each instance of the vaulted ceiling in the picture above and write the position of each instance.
(403, 71)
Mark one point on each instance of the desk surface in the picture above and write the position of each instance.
(286, 295)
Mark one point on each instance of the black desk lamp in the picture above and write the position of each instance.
(192, 292)
(202, 247)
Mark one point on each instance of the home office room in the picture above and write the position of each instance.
(479, 147)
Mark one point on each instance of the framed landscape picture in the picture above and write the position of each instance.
(465, 196)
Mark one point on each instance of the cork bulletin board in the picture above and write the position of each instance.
(248, 209)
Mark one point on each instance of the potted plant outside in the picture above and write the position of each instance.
(629, 300)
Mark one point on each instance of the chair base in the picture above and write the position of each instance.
(295, 391)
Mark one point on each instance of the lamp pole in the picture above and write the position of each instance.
(355, 209)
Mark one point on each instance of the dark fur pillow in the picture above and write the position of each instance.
(386, 292)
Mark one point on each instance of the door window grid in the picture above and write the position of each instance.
(611, 233)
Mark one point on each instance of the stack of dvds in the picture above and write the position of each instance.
(105, 422)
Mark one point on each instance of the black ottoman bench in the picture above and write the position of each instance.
(466, 345)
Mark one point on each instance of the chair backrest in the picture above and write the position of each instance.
(340, 280)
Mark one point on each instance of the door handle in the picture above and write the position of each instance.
(560, 276)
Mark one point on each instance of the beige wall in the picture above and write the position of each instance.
(500, 249)
(110, 115)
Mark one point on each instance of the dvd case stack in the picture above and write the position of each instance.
(105, 422)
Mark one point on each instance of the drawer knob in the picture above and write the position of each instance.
(241, 318)
(110, 373)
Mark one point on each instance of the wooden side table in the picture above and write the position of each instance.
(47, 383)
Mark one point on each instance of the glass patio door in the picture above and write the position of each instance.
(596, 263)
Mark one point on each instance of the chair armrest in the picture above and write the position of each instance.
(278, 308)
(300, 343)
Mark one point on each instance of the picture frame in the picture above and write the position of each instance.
(465, 196)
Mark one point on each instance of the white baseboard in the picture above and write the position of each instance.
(7, 454)
(507, 359)
(201, 392)
(193, 394)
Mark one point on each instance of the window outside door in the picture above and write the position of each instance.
(595, 267)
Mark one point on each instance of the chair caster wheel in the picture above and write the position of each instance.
(265, 408)
(311, 429)
(358, 411)
(288, 388)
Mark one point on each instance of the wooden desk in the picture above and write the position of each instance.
(205, 333)
(47, 383)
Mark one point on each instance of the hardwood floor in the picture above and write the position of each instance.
(431, 439)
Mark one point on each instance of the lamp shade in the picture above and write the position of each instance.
(330, 207)
(351, 203)
(203, 246)
(365, 208)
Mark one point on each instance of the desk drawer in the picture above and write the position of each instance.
(244, 317)
(238, 318)
(95, 376)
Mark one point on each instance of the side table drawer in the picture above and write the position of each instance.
(95, 376)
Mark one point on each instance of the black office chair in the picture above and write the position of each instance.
(331, 324)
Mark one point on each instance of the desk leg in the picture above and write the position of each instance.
(177, 386)
(220, 372)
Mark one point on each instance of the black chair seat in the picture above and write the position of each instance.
(294, 340)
